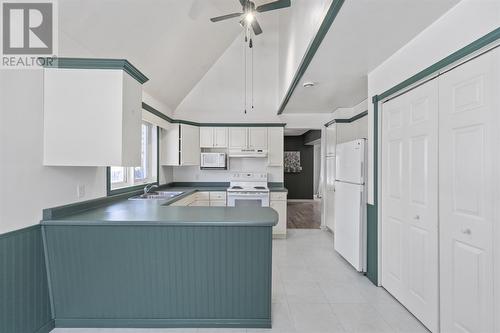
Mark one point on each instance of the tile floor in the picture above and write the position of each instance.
(315, 291)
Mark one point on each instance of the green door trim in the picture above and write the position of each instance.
(327, 22)
(372, 215)
(96, 63)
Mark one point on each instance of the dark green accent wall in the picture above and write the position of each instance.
(160, 276)
(24, 293)
(300, 185)
(312, 135)
(327, 22)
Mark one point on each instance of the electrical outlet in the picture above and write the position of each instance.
(80, 191)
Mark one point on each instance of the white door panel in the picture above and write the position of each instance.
(469, 105)
(349, 229)
(409, 201)
(350, 161)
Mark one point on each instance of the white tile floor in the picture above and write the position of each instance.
(315, 291)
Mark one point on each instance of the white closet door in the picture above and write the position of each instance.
(469, 106)
(409, 201)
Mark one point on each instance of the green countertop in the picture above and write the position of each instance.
(158, 212)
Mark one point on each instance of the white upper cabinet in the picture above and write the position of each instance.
(220, 137)
(206, 137)
(180, 145)
(275, 144)
(238, 137)
(248, 137)
(213, 137)
(257, 137)
(92, 117)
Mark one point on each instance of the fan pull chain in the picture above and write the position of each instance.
(245, 71)
(252, 73)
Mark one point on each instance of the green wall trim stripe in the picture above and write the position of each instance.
(188, 122)
(327, 22)
(164, 323)
(96, 63)
(347, 120)
(372, 246)
(24, 296)
(447, 61)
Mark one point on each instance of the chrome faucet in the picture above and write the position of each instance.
(149, 187)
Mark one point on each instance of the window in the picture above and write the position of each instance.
(147, 173)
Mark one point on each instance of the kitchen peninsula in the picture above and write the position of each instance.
(146, 263)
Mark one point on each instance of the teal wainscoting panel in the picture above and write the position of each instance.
(372, 244)
(24, 294)
(160, 276)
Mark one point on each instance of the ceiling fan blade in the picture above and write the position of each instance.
(257, 30)
(273, 5)
(225, 17)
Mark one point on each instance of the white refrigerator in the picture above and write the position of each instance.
(350, 203)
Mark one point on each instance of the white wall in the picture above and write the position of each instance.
(194, 174)
(297, 27)
(463, 24)
(219, 95)
(26, 186)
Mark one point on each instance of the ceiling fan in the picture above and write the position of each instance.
(248, 13)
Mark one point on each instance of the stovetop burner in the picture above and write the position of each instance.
(259, 187)
(237, 188)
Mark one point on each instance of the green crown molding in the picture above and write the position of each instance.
(96, 63)
(327, 22)
(163, 116)
(348, 120)
(372, 245)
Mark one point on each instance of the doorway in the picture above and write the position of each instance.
(302, 173)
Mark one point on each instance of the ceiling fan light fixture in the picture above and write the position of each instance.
(249, 17)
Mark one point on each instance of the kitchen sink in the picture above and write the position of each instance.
(157, 195)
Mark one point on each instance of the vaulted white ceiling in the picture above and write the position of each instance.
(175, 45)
(364, 34)
(170, 41)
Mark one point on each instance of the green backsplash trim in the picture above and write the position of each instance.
(157, 113)
(96, 63)
(24, 294)
(58, 212)
(327, 22)
(347, 120)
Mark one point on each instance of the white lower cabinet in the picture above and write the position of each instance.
(278, 203)
(440, 180)
(203, 199)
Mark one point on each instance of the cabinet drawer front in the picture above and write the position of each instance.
(218, 196)
(278, 195)
(218, 203)
(203, 196)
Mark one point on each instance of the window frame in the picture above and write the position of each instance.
(125, 187)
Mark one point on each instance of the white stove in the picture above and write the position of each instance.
(248, 189)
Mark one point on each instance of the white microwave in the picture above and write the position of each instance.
(213, 161)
